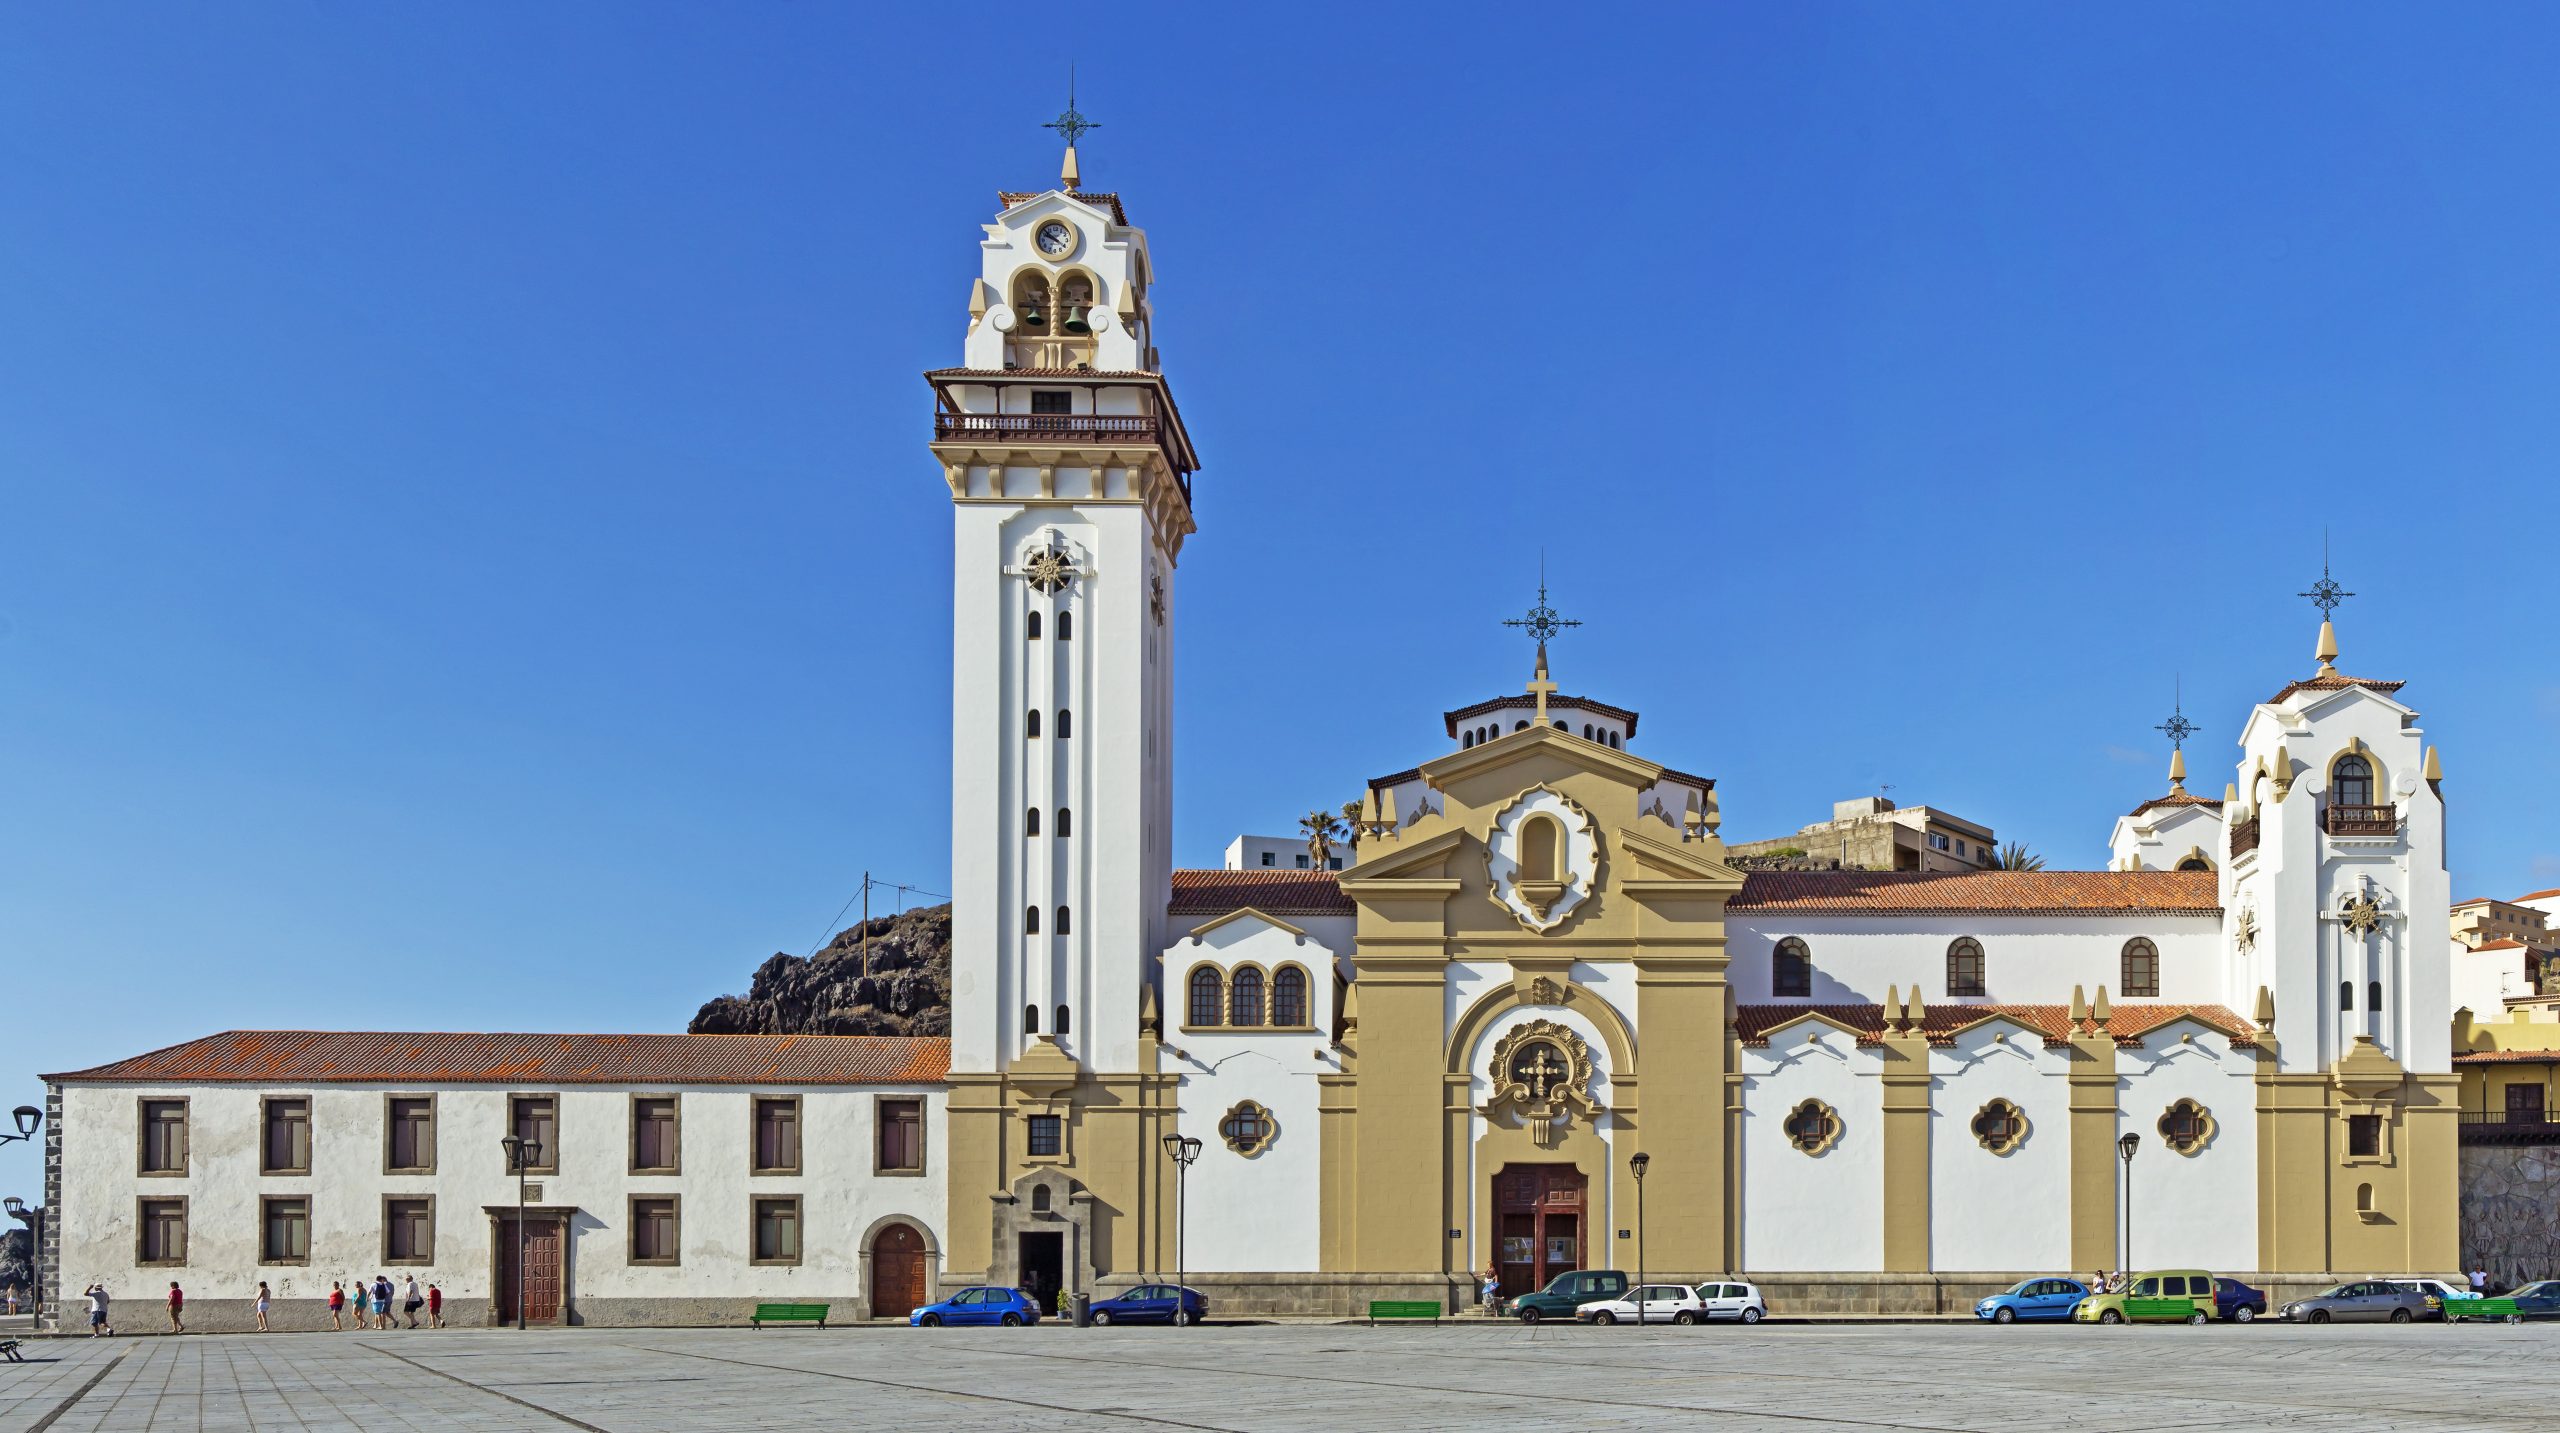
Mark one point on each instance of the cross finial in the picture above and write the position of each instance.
(2326, 594)
(1072, 125)
(2177, 727)
(1542, 623)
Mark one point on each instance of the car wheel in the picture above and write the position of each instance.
(1684, 1317)
(1529, 1316)
(2004, 1316)
(1604, 1318)
(2515, 1318)
(2196, 1318)
(2244, 1314)
(931, 1321)
(2399, 1316)
(1182, 1318)
(1751, 1316)
(1102, 1317)
(2110, 1316)
(2319, 1316)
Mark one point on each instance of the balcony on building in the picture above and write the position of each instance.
(2360, 819)
(2244, 835)
(1061, 410)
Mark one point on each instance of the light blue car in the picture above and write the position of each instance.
(2052, 1298)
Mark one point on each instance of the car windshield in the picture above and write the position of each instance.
(2539, 1289)
(2339, 1292)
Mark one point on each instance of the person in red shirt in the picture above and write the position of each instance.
(177, 1306)
(435, 1306)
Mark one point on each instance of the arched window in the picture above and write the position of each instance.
(1466, 740)
(2346, 995)
(2351, 782)
(2373, 997)
(1031, 627)
(1519, 726)
(1964, 967)
(1066, 724)
(1066, 626)
(1031, 723)
(1031, 302)
(1066, 822)
(1031, 822)
(1030, 1019)
(1541, 848)
(1791, 969)
(1061, 1026)
(1030, 920)
(1062, 922)
(1289, 997)
(1613, 739)
(1040, 1198)
(1586, 731)
(1208, 1001)
(1244, 997)
(2195, 863)
(1560, 726)
(2141, 968)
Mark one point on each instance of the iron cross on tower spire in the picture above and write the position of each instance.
(1073, 126)
(2326, 594)
(2178, 729)
(1542, 623)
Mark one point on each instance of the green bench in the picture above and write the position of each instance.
(1404, 1309)
(789, 1314)
(2457, 1309)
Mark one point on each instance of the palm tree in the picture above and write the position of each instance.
(1322, 829)
(2014, 856)
(1351, 819)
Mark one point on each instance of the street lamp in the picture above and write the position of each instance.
(29, 1119)
(1184, 1149)
(2124, 1153)
(17, 1209)
(522, 1155)
(1638, 1163)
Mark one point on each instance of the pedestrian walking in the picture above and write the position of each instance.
(435, 1306)
(98, 1326)
(337, 1304)
(263, 1297)
(10, 1296)
(177, 1308)
(1491, 1291)
(382, 1301)
(411, 1301)
(362, 1296)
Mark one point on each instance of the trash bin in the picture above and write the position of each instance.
(1080, 1308)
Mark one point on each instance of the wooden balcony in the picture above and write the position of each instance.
(1064, 428)
(2343, 820)
(2244, 836)
(2524, 1126)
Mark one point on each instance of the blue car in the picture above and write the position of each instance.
(1153, 1304)
(2236, 1302)
(2052, 1298)
(983, 1305)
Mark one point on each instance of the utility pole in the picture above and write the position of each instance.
(866, 923)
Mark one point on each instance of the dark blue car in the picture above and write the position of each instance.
(1153, 1304)
(2236, 1302)
(983, 1305)
(2047, 1298)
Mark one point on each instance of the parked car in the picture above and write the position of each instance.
(1567, 1292)
(2236, 1302)
(2440, 1294)
(1647, 1303)
(2367, 1299)
(1733, 1303)
(2033, 1299)
(2164, 1296)
(1153, 1304)
(985, 1304)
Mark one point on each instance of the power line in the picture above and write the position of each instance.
(862, 893)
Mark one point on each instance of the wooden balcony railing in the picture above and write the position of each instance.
(1048, 427)
(2344, 820)
(2244, 836)
(2508, 1127)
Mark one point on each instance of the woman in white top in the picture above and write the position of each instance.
(263, 1296)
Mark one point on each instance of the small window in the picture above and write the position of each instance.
(1333, 863)
(2195, 863)
(2352, 779)
(412, 1135)
(1244, 997)
(1066, 724)
(2346, 995)
(2000, 1126)
(1066, 822)
(1031, 723)
(2373, 997)
(777, 1233)
(1964, 967)
(1066, 632)
(1267, 858)
(284, 1235)
(653, 1230)
(1302, 861)
(164, 1136)
(1030, 920)
(902, 1136)
(536, 1119)
(286, 1145)
(1791, 969)
(1248, 1128)
(1061, 1026)
(777, 1134)
(2141, 968)
(1048, 1136)
(1041, 1200)
(163, 1231)
(1208, 999)
(1030, 1019)
(408, 1231)
(1052, 400)
(1031, 627)
(1031, 821)
(2185, 1126)
(1812, 1127)
(2364, 1136)
(653, 1135)
(1064, 926)
(1289, 997)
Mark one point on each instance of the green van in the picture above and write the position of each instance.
(2164, 1296)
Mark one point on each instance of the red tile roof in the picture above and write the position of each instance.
(301, 1057)
(1523, 699)
(1120, 216)
(2502, 945)
(1989, 892)
(2507, 1057)
(1278, 892)
(2127, 1023)
(2334, 684)
(2177, 798)
(2538, 895)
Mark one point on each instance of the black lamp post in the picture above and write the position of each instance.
(522, 1154)
(1638, 1163)
(17, 1209)
(1184, 1149)
(2124, 1153)
(29, 1119)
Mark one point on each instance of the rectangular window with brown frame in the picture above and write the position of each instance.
(654, 1149)
(777, 1229)
(164, 1137)
(777, 1134)
(409, 1229)
(162, 1231)
(284, 1141)
(284, 1230)
(2364, 1136)
(409, 1134)
(535, 1119)
(1048, 1137)
(654, 1230)
(901, 1136)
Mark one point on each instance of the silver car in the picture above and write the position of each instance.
(2368, 1299)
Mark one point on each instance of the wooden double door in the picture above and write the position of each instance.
(543, 1271)
(1541, 1220)
(897, 1272)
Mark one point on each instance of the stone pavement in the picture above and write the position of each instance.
(1801, 1379)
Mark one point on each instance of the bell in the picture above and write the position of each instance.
(1075, 320)
(1034, 314)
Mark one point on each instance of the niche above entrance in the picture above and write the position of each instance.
(1542, 858)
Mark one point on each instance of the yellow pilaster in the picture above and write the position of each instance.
(1906, 1151)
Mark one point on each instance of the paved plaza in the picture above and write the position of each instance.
(1797, 1378)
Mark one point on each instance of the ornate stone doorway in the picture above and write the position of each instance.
(1541, 1219)
(897, 1272)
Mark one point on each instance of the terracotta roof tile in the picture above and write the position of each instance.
(303, 1057)
(1280, 892)
(2127, 1023)
(1523, 699)
(2334, 684)
(1989, 892)
(2177, 798)
(2507, 1057)
(2537, 895)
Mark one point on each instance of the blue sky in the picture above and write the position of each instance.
(470, 558)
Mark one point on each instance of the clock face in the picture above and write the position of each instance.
(1054, 238)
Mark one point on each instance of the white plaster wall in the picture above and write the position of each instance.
(2482, 981)
(1805, 1213)
(841, 1196)
(2026, 958)
(1989, 1211)
(1479, 1057)
(2200, 1210)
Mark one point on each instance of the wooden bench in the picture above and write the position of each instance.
(789, 1314)
(1404, 1309)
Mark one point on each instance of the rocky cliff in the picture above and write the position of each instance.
(907, 992)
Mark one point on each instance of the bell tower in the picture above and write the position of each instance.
(1070, 480)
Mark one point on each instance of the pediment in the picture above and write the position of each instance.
(1634, 771)
(1050, 201)
(1423, 858)
(1247, 913)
